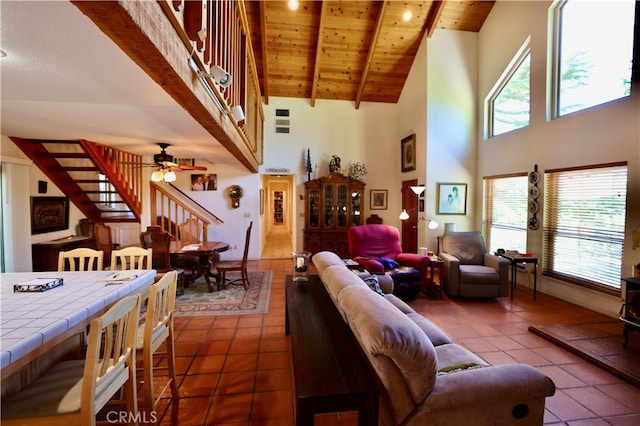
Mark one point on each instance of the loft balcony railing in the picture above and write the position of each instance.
(216, 34)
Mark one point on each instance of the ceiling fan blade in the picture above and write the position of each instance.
(184, 167)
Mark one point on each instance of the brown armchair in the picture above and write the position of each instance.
(468, 270)
(159, 241)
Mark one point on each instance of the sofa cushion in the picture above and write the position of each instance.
(434, 333)
(452, 354)
(383, 330)
(324, 259)
(478, 274)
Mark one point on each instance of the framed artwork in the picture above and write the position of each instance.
(452, 198)
(185, 161)
(408, 154)
(49, 214)
(204, 182)
(378, 199)
(261, 201)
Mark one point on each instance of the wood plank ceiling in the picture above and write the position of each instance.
(358, 51)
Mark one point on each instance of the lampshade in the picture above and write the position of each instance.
(418, 189)
(404, 215)
(432, 224)
(157, 176)
(169, 176)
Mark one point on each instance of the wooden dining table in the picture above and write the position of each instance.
(35, 324)
(206, 252)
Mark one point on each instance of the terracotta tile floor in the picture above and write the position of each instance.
(236, 371)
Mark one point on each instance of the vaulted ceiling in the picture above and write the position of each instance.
(359, 51)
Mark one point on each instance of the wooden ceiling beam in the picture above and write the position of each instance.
(372, 46)
(434, 16)
(316, 65)
(265, 52)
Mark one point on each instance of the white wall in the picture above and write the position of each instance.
(367, 135)
(607, 133)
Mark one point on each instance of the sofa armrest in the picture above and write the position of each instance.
(489, 385)
(370, 264)
(418, 261)
(451, 274)
(502, 266)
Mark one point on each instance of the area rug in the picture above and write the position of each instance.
(231, 300)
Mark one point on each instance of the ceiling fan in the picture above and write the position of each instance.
(166, 167)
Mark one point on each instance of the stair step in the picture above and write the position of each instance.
(80, 155)
(81, 169)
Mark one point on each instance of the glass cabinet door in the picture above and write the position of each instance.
(314, 208)
(329, 220)
(356, 213)
(342, 205)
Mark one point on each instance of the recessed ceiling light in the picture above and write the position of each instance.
(293, 4)
(406, 16)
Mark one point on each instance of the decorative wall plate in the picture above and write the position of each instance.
(533, 223)
(533, 207)
(534, 192)
(534, 177)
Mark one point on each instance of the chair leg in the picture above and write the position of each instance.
(171, 363)
(245, 279)
(147, 383)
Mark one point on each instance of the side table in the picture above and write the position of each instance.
(514, 261)
(431, 288)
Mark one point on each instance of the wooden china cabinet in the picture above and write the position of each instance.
(333, 204)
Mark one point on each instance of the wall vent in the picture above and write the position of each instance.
(282, 121)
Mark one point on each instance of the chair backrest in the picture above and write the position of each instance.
(158, 240)
(110, 359)
(468, 247)
(104, 240)
(374, 218)
(247, 239)
(85, 227)
(190, 231)
(81, 259)
(159, 316)
(375, 240)
(131, 258)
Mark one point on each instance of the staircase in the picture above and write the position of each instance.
(104, 183)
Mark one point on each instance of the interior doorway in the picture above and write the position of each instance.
(278, 216)
(409, 229)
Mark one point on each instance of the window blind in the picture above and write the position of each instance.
(505, 212)
(584, 224)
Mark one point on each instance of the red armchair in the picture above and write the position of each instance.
(376, 247)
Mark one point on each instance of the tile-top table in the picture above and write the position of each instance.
(33, 323)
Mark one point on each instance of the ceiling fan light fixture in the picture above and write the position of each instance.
(170, 176)
(157, 176)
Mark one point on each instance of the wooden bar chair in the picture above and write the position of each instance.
(190, 231)
(80, 259)
(72, 392)
(131, 258)
(157, 329)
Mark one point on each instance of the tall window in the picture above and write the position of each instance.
(508, 102)
(592, 53)
(505, 212)
(584, 222)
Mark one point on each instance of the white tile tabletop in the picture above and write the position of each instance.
(30, 320)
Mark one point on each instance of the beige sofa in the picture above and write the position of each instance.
(426, 379)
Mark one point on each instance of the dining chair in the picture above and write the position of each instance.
(104, 241)
(81, 259)
(225, 266)
(72, 392)
(131, 258)
(156, 330)
(159, 241)
(190, 231)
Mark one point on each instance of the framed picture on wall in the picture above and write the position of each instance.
(408, 153)
(452, 198)
(203, 182)
(49, 214)
(378, 199)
